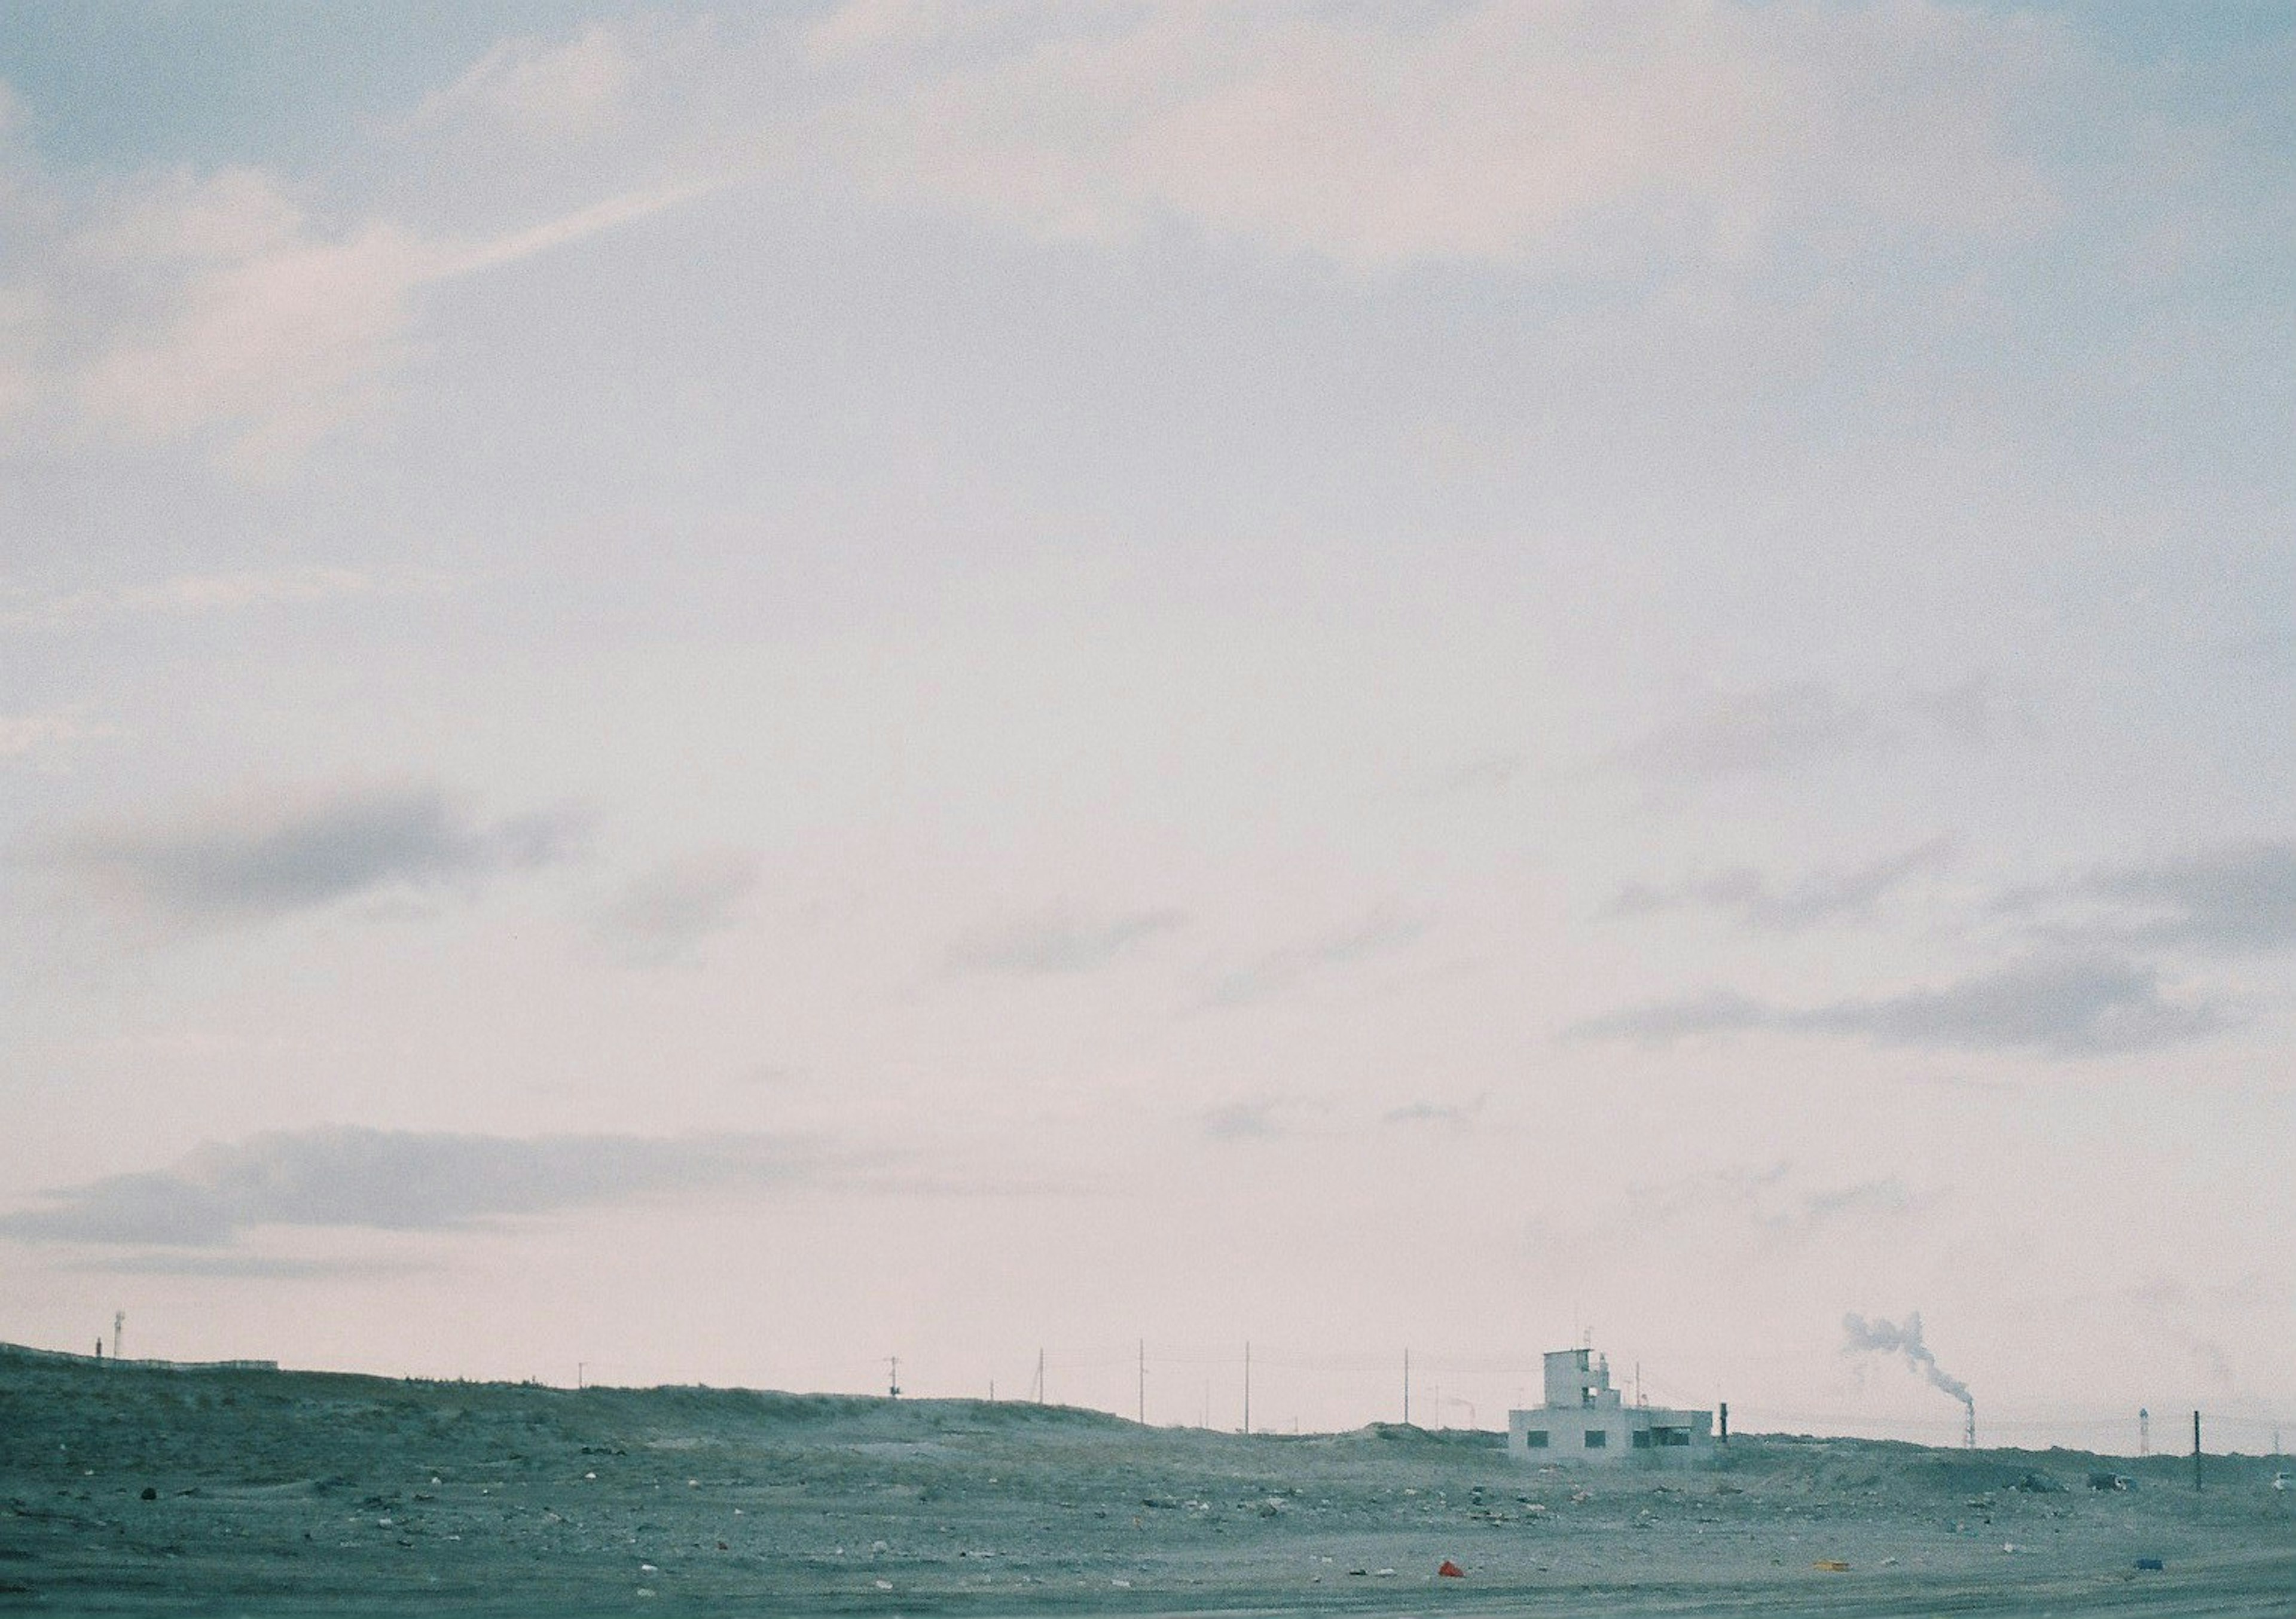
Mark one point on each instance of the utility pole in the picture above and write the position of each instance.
(1144, 1383)
(118, 1325)
(893, 1377)
(2144, 1430)
(1406, 1388)
(1041, 1377)
(1725, 1422)
(1247, 1386)
(2196, 1452)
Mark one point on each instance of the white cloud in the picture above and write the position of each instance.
(1490, 131)
(190, 595)
(23, 734)
(254, 323)
(543, 91)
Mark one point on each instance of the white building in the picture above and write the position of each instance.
(1585, 1420)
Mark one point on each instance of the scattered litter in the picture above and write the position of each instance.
(1833, 1565)
(884, 1585)
(1385, 1574)
(150, 1494)
(648, 1568)
(1450, 1570)
(2151, 1565)
(1121, 1585)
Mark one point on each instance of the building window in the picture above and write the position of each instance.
(1597, 1439)
(1535, 1439)
(1642, 1439)
(1674, 1436)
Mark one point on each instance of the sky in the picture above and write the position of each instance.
(713, 696)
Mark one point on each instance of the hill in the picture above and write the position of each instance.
(127, 1489)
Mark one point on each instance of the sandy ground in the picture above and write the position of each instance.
(132, 1491)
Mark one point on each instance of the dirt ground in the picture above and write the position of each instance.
(133, 1490)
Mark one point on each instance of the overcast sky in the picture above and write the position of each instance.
(727, 694)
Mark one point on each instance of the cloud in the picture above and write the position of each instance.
(1480, 132)
(242, 1267)
(230, 307)
(264, 858)
(24, 734)
(664, 914)
(1247, 1121)
(1455, 1116)
(1059, 941)
(543, 91)
(1804, 724)
(1389, 927)
(1663, 1022)
(2233, 898)
(1848, 894)
(2067, 1007)
(192, 595)
(1757, 1210)
(1781, 728)
(396, 1181)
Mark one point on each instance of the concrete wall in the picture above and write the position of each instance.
(1612, 1435)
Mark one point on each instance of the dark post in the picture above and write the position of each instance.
(1725, 1422)
(2196, 1451)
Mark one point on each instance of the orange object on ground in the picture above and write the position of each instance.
(1451, 1571)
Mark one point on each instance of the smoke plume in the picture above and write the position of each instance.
(1888, 1337)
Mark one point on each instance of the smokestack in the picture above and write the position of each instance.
(1886, 1337)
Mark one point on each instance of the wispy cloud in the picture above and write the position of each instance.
(1802, 724)
(240, 1267)
(22, 735)
(663, 915)
(1451, 1115)
(224, 309)
(262, 857)
(1059, 941)
(1255, 1120)
(1388, 927)
(396, 1181)
(2231, 898)
(2068, 1007)
(1760, 1208)
(192, 595)
(1486, 131)
(1841, 893)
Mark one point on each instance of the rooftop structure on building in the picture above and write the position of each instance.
(1584, 1419)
